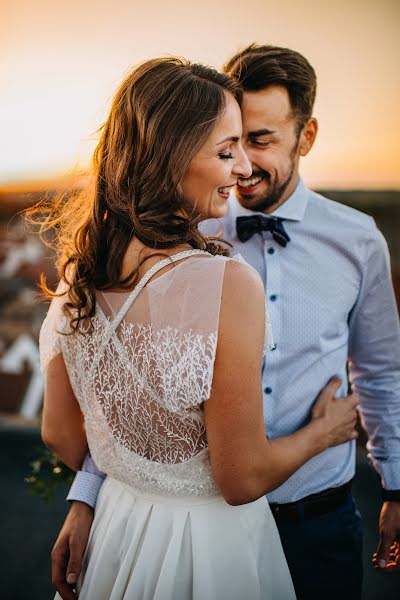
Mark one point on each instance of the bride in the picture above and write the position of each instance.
(153, 348)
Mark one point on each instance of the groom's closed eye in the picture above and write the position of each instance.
(261, 137)
(260, 142)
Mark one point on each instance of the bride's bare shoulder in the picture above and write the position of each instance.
(243, 296)
(240, 277)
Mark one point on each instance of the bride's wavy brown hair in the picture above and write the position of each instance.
(161, 116)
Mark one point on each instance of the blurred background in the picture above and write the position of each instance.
(61, 62)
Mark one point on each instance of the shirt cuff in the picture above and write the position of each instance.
(389, 472)
(85, 488)
(390, 495)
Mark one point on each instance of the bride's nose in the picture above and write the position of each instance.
(242, 166)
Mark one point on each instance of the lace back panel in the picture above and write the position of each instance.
(144, 371)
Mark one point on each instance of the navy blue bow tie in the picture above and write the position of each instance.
(246, 227)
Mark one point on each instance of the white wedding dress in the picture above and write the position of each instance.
(161, 528)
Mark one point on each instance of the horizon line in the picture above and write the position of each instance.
(32, 186)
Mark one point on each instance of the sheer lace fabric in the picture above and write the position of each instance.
(143, 373)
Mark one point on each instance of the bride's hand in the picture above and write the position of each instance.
(337, 417)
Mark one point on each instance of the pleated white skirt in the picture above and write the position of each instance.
(150, 547)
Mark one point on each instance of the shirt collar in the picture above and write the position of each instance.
(292, 209)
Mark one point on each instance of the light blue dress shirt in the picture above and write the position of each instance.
(331, 304)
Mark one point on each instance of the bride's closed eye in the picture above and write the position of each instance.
(225, 155)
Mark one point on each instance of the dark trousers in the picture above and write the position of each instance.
(324, 553)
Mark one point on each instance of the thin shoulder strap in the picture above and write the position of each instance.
(113, 325)
(148, 275)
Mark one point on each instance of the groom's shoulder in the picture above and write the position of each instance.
(332, 212)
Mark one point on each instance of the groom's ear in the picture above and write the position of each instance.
(307, 136)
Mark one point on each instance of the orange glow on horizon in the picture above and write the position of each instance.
(61, 63)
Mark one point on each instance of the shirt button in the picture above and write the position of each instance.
(273, 297)
(268, 390)
(271, 250)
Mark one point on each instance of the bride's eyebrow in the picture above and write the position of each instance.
(232, 138)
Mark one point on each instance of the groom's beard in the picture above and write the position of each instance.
(277, 187)
(275, 192)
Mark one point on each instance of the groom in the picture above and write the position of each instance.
(327, 276)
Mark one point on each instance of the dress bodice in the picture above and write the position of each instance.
(142, 372)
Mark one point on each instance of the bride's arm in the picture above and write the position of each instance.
(245, 464)
(63, 428)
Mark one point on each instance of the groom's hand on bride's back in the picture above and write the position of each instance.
(67, 553)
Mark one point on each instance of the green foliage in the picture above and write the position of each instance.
(47, 474)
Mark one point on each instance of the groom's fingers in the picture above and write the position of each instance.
(393, 564)
(383, 553)
(59, 562)
(76, 550)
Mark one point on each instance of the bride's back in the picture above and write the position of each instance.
(143, 371)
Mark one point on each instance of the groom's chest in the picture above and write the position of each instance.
(311, 284)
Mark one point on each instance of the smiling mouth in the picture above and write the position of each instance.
(251, 182)
(225, 190)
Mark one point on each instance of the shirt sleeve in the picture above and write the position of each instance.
(374, 361)
(87, 483)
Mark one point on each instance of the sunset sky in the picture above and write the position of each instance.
(62, 60)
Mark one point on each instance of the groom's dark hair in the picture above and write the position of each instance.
(258, 67)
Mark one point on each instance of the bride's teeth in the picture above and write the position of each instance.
(248, 182)
(224, 190)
